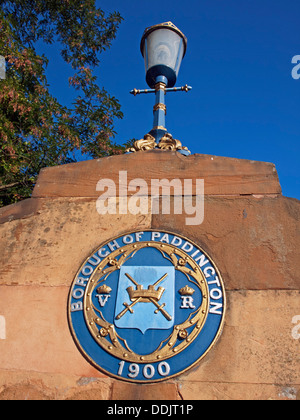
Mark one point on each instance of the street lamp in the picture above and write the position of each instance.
(163, 47)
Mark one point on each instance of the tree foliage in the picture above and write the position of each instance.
(35, 129)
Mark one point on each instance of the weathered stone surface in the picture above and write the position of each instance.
(263, 233)
(240, 391)
(37, 333)
(256, 346)
(159, 391)
(49, 247)
(92, 390)
(23, 392)
(222, 175)
(250, 230)
(255, 242)
(36, 385)
(20, 210)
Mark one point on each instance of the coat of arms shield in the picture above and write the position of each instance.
(145, 298)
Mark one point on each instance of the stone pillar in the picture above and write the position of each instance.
(251, 231)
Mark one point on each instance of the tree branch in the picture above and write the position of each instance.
(6, 187)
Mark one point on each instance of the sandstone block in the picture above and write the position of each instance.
(255, 242)
(222, 175)
(49, 247)
(257, 345)
(160, 391)
(250, 231)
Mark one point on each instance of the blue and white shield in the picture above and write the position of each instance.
(145, 298)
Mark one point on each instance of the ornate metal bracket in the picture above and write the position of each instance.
(158, 137)
(167, 142)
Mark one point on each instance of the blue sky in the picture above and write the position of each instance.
(244, 102)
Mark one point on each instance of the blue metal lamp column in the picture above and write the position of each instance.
(159, 109)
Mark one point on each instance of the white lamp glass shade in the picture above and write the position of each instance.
(164, 47)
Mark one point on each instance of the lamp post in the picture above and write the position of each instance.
(163, 47)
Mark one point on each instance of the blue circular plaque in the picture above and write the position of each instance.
(146, 306)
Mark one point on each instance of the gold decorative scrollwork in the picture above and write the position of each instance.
(182, 335)
(147, 143)
(167, 142)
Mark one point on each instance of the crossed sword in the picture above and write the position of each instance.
(160, 308)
